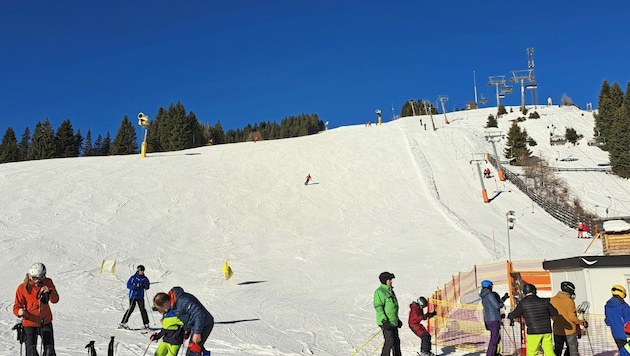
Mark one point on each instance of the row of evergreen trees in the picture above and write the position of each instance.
(172, 129)
(611, 126)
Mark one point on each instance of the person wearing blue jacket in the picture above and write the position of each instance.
(617, 314)
(191, 312)
(492, 305)
(136, 285)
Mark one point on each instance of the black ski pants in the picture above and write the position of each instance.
(392, 342)
(132, 306)
(205, 333)
(48, 339)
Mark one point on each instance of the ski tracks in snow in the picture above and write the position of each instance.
(425, 171)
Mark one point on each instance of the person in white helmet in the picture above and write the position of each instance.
(32, 304)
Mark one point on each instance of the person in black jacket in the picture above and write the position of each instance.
(537, 313)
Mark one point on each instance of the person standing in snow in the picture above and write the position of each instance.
(580, 228)
(191, 312)
(492, 305)
(617, 313)
(308, 179)
(136, 285)
(537, 313)
(566, 323)
(386, 306)
(416, 316)
(32, 299)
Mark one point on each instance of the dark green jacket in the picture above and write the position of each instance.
(386, 305)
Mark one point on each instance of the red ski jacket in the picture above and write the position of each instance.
(416, 315)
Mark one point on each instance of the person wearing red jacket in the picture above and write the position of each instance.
(416, 316)
(32, 299)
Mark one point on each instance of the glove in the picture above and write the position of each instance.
(585, 324)
(430, 315)
(505, 297)
(386, 325)
(44, 297)
(194, 347)
(511, 322)
(153, 336)
(399, 323)
(502, 316)
(186, 333)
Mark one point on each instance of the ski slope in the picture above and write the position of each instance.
(306, 259)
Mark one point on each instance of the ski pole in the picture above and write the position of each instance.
(147, 349)
(152, 316)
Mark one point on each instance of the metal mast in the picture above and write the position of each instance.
(496, 80)
(533, 86)
(442, 99)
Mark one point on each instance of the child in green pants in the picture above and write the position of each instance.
(173, 335)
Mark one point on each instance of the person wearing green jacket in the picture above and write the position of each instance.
(386, 306)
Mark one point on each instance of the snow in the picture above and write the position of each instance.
(306, 259)
(616, 226)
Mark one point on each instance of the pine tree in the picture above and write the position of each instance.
(65, 141)
(516, 145)
(98, 146)
(43, 143)
(492, 121)
(126, 141)
(571, 135)
(24, 144)
(619, 139)
(78, 141)
(88, 149)
(604, 116)
(218, 135)
(106, 146)
(9, 147)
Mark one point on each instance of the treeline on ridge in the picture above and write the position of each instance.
(172, 129)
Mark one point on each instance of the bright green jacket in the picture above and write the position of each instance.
(386, 305)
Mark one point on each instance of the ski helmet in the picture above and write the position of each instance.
(619, 291)
(422, 301)
(37, 270)
(385, 276)
(567, 287)
(529, 289)
(486, 284)
(626, 328)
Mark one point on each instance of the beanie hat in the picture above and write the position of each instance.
(140, 268)
(383, 277)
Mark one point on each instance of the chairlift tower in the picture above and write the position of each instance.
(520, 76)
(497, 80)
(442, 99)
(430, 113)
(484, 193)
(494, 137)
(533, 86)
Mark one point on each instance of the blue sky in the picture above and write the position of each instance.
(244, 62)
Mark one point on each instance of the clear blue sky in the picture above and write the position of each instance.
(249, 61)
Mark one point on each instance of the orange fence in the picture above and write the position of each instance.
(459, 320)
